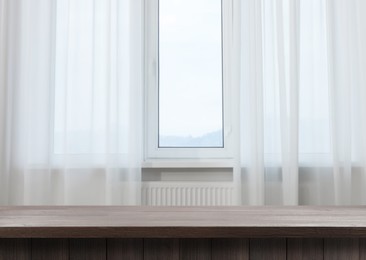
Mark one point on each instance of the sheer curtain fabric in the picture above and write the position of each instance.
(303, 100)
(70, 102)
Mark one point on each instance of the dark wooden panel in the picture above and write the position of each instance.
(161, 249)
(46, 249)
(88, 249)
(267, 248)
(362, 249)
(15, 249)
(305, 248)
(195, 249)
(126, 249)
(341, 248)
(230, 249)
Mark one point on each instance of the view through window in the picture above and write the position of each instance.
(190, 73)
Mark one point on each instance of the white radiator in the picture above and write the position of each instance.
(162, 193)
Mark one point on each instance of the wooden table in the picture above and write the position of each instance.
(182, 233)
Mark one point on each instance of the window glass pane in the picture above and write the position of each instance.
(190, 73)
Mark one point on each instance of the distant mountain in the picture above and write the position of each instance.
(213, 139)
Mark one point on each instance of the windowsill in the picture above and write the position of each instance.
(186, 163)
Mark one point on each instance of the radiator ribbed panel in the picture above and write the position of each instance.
(188, 194)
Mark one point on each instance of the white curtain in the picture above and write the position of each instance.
(70, 101)
(303, 101)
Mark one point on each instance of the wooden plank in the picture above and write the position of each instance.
(230, 248)
(192, 249)
(341, 248)
(15, 249)
(178, 222)
(125, 248)
(88, 249)
(305, 248)
(362, 249)
(267, 248)
(45, 249)
(161, 249)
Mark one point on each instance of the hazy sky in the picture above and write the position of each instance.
(190, 67)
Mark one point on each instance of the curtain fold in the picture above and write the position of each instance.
(251, 103)
(71, 102)
(3, 59)
(289, 106)
(303, 109)
(346, 68)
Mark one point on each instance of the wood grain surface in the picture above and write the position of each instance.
(183, 248)
(230, 248)
(185, 222)
(305, 248)
(268, 248)
(88, 249)
(161, 249)
(362, 248)
(195, 249)
(15, 249)
(125, 248)
(46, 249)
(341, 249)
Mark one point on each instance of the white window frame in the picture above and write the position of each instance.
(230, 34)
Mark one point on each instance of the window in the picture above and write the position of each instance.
(188, 78)
(190, 74)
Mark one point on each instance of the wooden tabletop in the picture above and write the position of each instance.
(139, 222)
